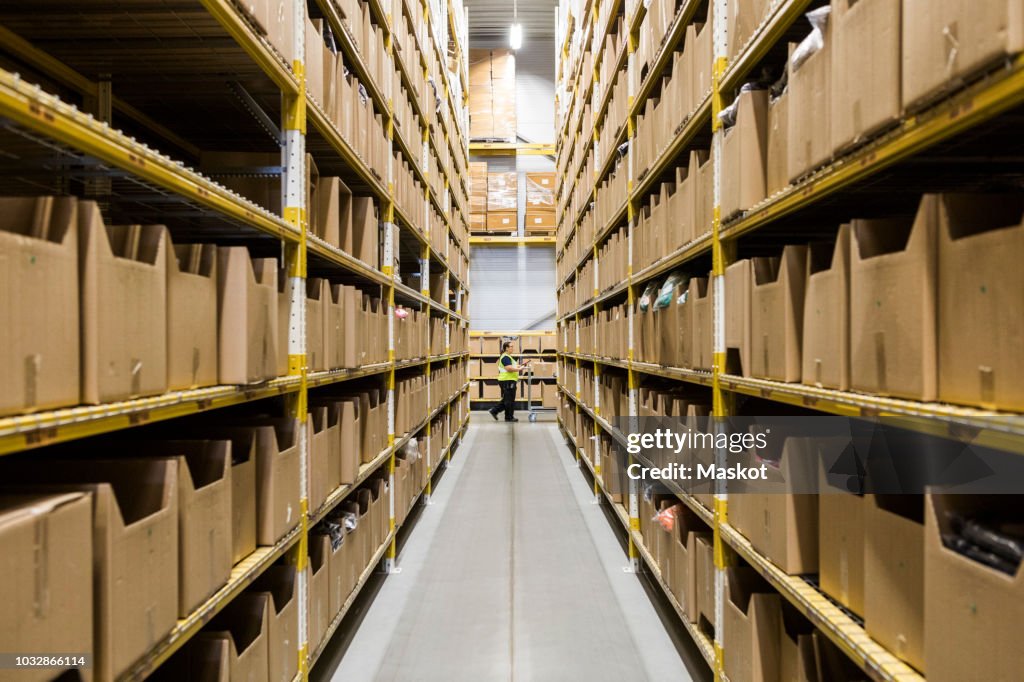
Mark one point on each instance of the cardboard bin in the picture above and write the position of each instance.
(826, 333)
(892, 305)
(777, 312)
(124, 308)
(39, 310)
(247, 302)
(753, 626)
(981, 314)
(243, 625)
(279, 584)
(47, 541)
(894, 574)
(191, 316)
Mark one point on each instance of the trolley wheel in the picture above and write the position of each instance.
(533, 417)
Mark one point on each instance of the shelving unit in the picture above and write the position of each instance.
(127, 126)
(480, 353)
(920, 152)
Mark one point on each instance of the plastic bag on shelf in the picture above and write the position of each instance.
(647, 298)
(667, 518)
(815, 40)
(668, 287)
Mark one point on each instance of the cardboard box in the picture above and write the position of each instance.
(282, 360)
(48, 574)
(502, 221)
(40, 307)
(894, 574)
(738, 285)
(278, 490)
(281, 28)
(268, 485)
(742, 20)
(278, 583)
(826, 333)
(810, 134)
(243, 625)
(744, 154)
(700, 294)
(688, 527)
(314, 62)
(243, 491)
(362, 241)
(781, 526)
(490, 345)
(477, 222)
(753, 624)
(318, 483)
(341, 335)
(841, 546)
(971, 610)
(777, 156)
(348, 431)
(892, 305)
(124, 308)
(540, 191)
(502, 191)
(342, 563)
(981, 241)
(705, 559)
(191, 316)
(797, 658)
(334, 208)
(204, 514)
(491, 390)
(316, 301)
(247, 311)
(777, 312)
(865, 69)
(540, 221)
(317, 615)
(949, 41)
(135, 548)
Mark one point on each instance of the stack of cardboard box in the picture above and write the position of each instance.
(492, 94)
(478, 196)
(540, 203)
(503, 202)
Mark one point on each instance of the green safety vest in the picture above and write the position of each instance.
(502, 374)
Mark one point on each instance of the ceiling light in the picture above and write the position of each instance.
(515, 36)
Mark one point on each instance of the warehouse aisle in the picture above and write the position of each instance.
(512, 574)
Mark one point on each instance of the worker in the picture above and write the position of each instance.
(508, 376)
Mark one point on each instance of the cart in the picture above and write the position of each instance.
(531, 411)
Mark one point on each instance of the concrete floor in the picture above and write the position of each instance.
(511, 573)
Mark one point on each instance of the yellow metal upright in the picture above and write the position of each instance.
(294, 187)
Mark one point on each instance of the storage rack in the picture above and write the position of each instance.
(216, 78)
(985, 108)
(477, 354)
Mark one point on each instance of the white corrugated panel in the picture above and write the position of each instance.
(513, 287)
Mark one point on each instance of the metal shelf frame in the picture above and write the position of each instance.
(996, 92)
(44, 119)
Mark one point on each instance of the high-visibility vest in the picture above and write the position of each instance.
(504, 375)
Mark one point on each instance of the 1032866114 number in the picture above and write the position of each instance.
(13, 661)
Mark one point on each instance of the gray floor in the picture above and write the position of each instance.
(512, 573)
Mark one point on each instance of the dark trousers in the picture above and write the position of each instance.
(508, 399)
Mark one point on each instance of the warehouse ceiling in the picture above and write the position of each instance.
(492, 18)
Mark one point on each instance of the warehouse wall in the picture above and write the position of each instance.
(535, 93)
(513, 288)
